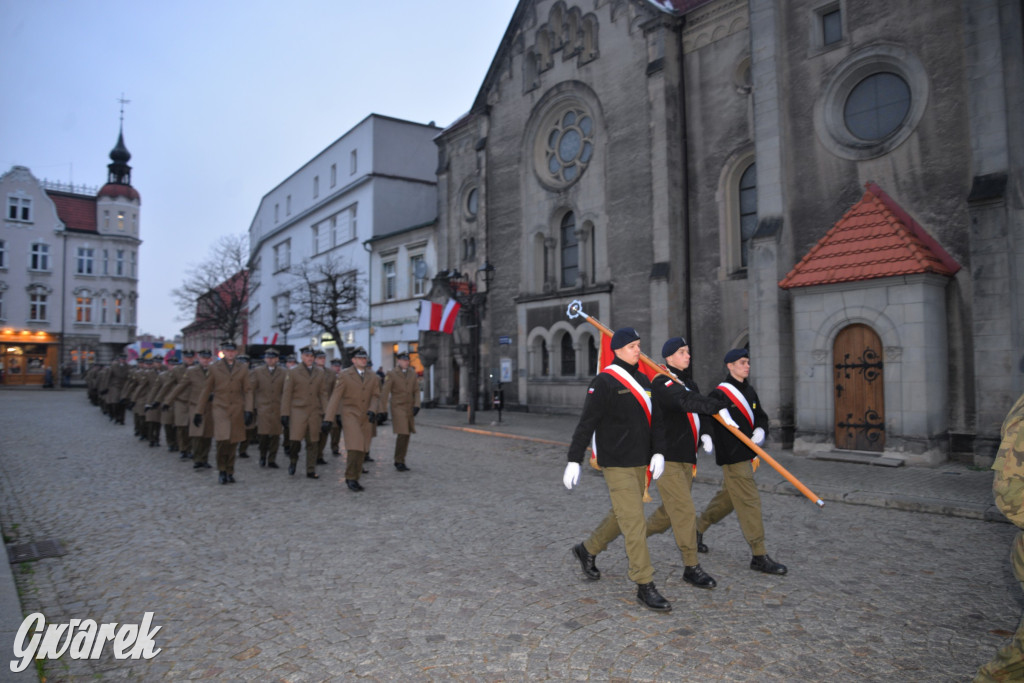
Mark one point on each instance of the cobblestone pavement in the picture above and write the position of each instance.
(460, 569)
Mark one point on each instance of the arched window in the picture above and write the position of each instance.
(568, 356)
(747, 210)
(545, 359)
(570, 251)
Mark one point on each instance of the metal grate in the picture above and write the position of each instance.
(27, 552)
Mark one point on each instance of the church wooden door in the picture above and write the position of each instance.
(858, 385)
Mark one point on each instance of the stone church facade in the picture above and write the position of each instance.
(670, 163)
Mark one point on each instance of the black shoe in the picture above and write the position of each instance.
(698, 577)
(291, 468)
(336, 454)
(243, 455)
(648, 596)
(353, 485)
(586, 560)
(701, 548)
(763, 563)
(231, 479)
(312, 475)
(263, 461)
(172, 448)
(223, 477)
(321, 461)
(368, 458)
(186, 456)
(154, 444)
(400, 466)
(366, 471)
(198, 466)
(273, 465)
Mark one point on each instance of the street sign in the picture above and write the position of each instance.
(504, 341)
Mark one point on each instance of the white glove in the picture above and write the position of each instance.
(657, 465)
(757, 437)
(709, 445)
(724, 414)
(571, 476)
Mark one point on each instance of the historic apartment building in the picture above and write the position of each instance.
(835, 184)
(367, 203)
(68, 271)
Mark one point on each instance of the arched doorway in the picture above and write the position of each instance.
(858, 386)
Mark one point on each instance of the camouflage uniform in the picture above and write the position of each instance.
(1008, 488)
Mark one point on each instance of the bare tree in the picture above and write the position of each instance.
(215, 293)
(326, 294)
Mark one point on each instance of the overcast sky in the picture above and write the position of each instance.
(228, 98)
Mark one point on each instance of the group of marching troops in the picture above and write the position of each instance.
(233, 402)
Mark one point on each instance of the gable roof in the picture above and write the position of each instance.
(77, 212)
(875, 238)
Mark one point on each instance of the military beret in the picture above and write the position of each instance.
(734, 355)
(623, 336)
(672, 345)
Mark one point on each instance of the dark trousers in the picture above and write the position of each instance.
(226, 457)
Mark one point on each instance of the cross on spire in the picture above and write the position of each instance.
(123, 102)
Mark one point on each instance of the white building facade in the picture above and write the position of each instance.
(376, 179)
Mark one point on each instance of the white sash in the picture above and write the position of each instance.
(639, 393)
(739, 400)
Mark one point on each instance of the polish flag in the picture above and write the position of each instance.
(437, 317)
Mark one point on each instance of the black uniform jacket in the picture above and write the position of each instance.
(624, 438)
(676, 398)
(728, 449)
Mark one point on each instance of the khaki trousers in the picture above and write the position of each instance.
(401, 447)
(739, 493)
(1008, 664)
(311, 449)
(335, 437)
(269, 443)
(226, 456)
(626, 490)
(201, 449)
(183, 440)
(354, 464)
(677, 510)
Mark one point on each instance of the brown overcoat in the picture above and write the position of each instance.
(189, 389)
(352, 398)
(267, 387)
(303, 400)
(231, 397)
(116, 379)
(403, 388)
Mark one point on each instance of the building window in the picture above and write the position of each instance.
(277, 211)
(831, 27)
(106, 260)
(418, 274)
(19, 209)
(37, 306)
(349, 284)
(131, 311)
(747, 210)
(120, 221)
(118, 316)
(877, 106)
(353, 162)
(119, 263)
(282, 256)
(131, 266)
(545, 359)
(389, 280)
(85, 256)
(565, 147)
(135, 223)
(2, 316)
(83, 309)
(568, 356)
(346, 225)
(321, 237)
(103, 310)
(316, 186)
(106, 219)
(334, 175)
(3, 254)
(472, 203)
(570, 251)
(288, 205)
(39, 257)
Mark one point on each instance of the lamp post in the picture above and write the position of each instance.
(464, 288)
(285, 322)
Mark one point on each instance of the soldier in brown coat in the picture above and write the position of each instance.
(190, 389)
(179, 406)
(227, 387)
(116, 379)
(164, 386)
(402, 386)
(144, 392)
(267, 385)
(355, 399)
(303, 399)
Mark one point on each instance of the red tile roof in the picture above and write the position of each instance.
(876, 238)
(77, 212)
(115, 190)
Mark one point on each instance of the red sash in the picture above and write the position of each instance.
(739, 400)
(634, 388)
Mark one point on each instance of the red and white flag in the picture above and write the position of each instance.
(437, 317)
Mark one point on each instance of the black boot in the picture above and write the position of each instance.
(368, 458)
(648, 596)
(223, 477)
(763, 563)
(701, 548)
(590, 570)
(698, 577)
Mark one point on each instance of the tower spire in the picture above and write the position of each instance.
(120, 172)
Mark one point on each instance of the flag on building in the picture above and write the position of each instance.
(437, 317)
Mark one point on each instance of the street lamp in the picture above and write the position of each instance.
(285, 322)
(465, 289)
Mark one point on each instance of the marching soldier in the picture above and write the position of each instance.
(116, 379)
(165, 385)
(302, 410)
(227, 388)
(267, 386)
(190, 389)
(628, 436)
(143, 397)
(335, 427)
(402, 387)
(179, 406)
(739, 492)
(354, 403)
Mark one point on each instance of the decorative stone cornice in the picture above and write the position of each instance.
(713, 22)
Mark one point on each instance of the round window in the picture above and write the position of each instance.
(569, 147)
(472, 202)
(877, 106)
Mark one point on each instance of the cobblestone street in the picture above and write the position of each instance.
(460, 569)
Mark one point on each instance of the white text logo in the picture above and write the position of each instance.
(82, 639)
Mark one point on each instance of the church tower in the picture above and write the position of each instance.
(117, 203)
